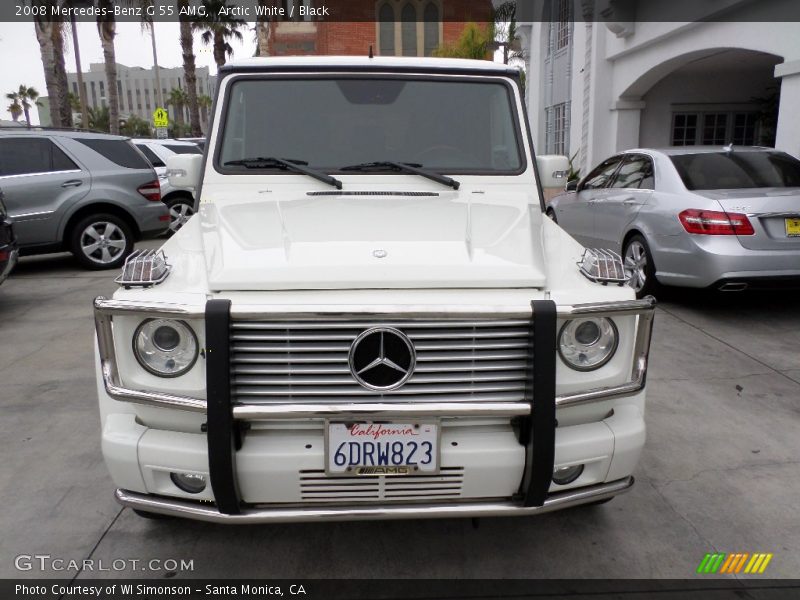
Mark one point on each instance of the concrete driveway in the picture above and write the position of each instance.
(720, 472)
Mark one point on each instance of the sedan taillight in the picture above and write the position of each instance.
(151, 190)
(715, 222)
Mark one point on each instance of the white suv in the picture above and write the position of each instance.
(179, 200)
(370, 316)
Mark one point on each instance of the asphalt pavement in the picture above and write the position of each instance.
(720, 471)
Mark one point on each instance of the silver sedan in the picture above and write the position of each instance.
(725, 218)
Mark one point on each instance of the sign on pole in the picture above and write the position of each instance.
(160, 118)
(162, 133)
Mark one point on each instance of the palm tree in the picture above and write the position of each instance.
(177, 98)
(100, 119)
(189, 75)
(204, 102)
(107, 29)
(15, 109)
(22, 97)
(50, 35)
(218, 28)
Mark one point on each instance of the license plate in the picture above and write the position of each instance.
(382, 448)
(793, 227)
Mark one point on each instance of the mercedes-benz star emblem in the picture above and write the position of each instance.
(382, 359)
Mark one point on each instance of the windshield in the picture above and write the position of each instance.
(737, 170)
(334, 123)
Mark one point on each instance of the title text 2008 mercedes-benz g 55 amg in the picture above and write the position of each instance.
(370, 315)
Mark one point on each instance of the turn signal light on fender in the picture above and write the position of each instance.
(715, 222)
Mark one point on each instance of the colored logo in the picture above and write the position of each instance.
(735, 562)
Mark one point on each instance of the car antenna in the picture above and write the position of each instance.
(370, 51)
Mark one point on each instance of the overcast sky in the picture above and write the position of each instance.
(22, 62)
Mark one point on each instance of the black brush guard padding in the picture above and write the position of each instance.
(538, 430)
(220, 427)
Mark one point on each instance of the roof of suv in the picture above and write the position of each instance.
(363, 63)
(70, 133)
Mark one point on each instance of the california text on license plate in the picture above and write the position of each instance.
(793, 227)
(382, 448)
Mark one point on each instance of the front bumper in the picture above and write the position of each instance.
(256, 475)
(254, 515)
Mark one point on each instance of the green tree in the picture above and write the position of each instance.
(135, 126)
(189, 71)
(107, 29)
(15, 109)
(100, 119)
(217, 28)
(50, 32)
(177, 98)
(23, 96)
(204, 102)
(475, 41)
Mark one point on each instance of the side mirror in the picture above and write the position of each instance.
(553, 170)
(183, 170)
(572, 186)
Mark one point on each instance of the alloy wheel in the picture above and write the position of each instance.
(102, 242)
(636, 261)
(179, 214)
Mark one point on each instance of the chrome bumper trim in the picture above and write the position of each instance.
(253, 515)
(104, 309)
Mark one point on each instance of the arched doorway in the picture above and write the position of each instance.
(711, 97)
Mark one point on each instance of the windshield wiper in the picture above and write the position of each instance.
(288, 164)
(415, 168)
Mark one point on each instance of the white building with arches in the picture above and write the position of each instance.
(597, 87)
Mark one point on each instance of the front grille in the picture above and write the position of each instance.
(307, 361)
(316, 486)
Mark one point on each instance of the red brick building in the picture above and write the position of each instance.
(391, 27)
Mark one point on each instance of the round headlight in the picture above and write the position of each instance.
(588, 343)
(165, 347)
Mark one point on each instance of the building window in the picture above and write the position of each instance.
(714, 128)
(292, 10)
(103, 93)
(75, 87)
(130, 101)
(557, 140)
(744, 129)
(563, 23)
(431, 27)
(408, 16)
(386, 30)
(684, 130)
(94, 95)
(138, 100)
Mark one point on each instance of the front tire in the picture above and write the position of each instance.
(637, 257)
(101, 241)
(180, 209)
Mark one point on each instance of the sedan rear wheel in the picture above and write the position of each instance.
(180, 210)
(638, 259)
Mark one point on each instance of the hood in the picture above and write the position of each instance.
(301, 241)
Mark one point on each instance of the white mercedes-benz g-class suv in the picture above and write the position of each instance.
(370, 315)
